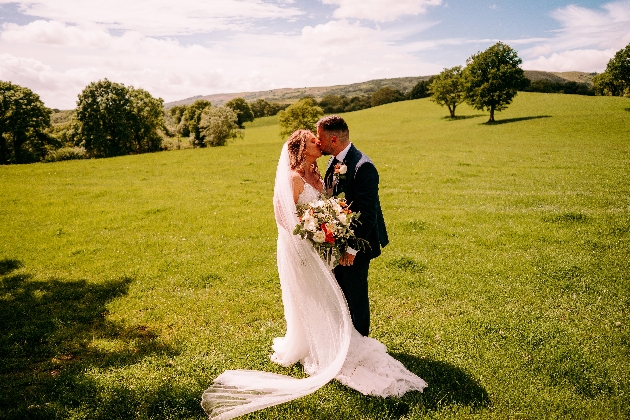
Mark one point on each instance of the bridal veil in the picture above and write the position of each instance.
(318, 322)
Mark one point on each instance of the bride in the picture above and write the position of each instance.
(320, 334)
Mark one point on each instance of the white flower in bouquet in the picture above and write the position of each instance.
(338, 209)
(309, 221)
(319, 236)
(310, 225)
(343, 169)
(327, 224)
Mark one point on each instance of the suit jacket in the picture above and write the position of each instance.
(360, 186)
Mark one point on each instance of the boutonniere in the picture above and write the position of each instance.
(340, 171)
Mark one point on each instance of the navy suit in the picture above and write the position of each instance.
(360, 186)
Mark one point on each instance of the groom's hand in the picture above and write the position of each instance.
(347, 259)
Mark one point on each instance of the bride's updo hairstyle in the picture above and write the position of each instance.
(297, 147)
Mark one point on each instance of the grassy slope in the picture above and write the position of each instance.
(129, 283)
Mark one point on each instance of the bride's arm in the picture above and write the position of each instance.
(298, 185)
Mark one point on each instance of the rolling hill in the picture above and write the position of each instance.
(403, 84)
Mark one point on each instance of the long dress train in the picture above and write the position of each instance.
(319, 331)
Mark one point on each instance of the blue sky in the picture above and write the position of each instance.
(190, 47)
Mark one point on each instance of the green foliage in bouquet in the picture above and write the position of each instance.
(328, 223)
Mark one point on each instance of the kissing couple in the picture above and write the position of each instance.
(326, 310)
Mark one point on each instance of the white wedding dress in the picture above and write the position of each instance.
(319, 334)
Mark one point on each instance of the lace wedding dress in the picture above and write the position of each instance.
(319, 334)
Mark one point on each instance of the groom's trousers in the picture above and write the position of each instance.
(353, 281)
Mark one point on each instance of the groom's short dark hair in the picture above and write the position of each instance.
(333, 124)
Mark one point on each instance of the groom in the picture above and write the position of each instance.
(357, 178)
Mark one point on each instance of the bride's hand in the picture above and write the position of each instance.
(347, 259)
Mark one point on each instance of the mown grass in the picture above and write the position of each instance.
(128, 284)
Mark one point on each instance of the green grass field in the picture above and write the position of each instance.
(128, 284)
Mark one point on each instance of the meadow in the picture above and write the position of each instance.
(127, 284)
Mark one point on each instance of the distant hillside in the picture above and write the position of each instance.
(567, 76)
(288, 95)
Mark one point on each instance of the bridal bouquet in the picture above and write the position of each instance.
(327, 223)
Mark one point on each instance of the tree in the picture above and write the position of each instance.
(242, 109)
(357, 103)
(386, 95)
(420, 90)
(23, 120)
(218, 125)
(492, 78)
(177, 113)
(447, 88)
(147, 118)
(615, 81)
(259, 108)
(262, 108)
(192, 117)
(570, 87)
(115, 120)
(301, 115)
(333, 104)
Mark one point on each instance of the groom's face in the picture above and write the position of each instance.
(325, 141)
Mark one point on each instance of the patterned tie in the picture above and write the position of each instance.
(330, 173)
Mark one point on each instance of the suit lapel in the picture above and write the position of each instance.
(351, 160)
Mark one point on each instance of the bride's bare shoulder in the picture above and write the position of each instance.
(296, 178)
(298, 184)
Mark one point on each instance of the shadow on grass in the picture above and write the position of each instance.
(448, 386)
(50, 338)
(511, 120)
(462, 117)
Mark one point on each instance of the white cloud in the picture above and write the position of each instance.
(56, 33)
(586, 40)
(379, 10)
(580, 60)
(157, 17)
(68, 57)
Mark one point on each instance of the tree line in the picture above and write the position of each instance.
(112, 119)
(491, 79)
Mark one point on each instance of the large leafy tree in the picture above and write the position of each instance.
(114, 120)
(218, 125)
(23, 119)
(615, 81)
(301, 115)
(192, 117)
(242, 109)
(147, 117)
(492, 78)
(447, 89)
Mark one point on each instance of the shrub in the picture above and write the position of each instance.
(176, 143)
(66, 153)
